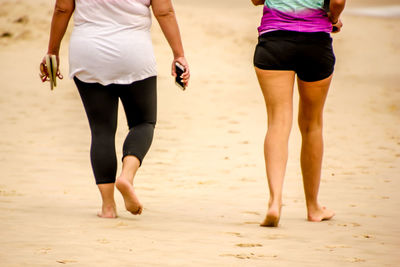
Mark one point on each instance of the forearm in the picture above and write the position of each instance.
(61, 16)
(258, 2)
(169, 26)
(335, 9)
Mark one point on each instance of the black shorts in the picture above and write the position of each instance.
(310, 55)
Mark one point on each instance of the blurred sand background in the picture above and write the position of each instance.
(202, 184)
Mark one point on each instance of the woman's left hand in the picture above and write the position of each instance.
(336, 27)
(186, 74)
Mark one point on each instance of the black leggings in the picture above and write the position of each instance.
(101, 105)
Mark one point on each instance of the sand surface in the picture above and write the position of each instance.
(202, 184)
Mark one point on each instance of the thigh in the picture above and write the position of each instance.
(277, 88)
(101, 105)
(312, 99)
(140, 101)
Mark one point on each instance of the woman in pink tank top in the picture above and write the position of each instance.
(294, 40)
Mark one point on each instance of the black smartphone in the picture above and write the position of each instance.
(179, 69)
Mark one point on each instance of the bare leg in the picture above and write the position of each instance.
(125, 184)
(108, 209)
(312, 100)
(277, 88)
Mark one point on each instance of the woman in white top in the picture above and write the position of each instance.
(111, 58)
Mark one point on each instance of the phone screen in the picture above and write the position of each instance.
(179, 71)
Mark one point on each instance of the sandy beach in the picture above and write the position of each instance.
(203, 182)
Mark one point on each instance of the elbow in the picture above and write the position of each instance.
(337, 3)
(61, 9)
(257, 2)
(164, 13)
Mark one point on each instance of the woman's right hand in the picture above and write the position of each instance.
(44, 73)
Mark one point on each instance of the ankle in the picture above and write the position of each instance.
(313, 206)
(110, 203)
(126, 178)
(275, 201)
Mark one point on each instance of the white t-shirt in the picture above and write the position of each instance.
(111, 42)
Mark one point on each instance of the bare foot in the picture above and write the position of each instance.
(320, 214)
(272, 217)
(108, 211)
(132, 203)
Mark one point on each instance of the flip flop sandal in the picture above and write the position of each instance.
(50, 68)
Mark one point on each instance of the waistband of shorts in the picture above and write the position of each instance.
(280, 33)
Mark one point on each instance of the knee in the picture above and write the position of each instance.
(104, 135)
(281, 123)
(150, 126)
(307, 125)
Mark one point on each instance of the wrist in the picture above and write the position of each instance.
(334, 20)
(176, 56)
(53, 51)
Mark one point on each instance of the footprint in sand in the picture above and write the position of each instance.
(248, 245)
(119, 224)
(6, 35)
(103, 241)
(366, 236)
(275, 236)
(235, 234)
(244, 256)
(22, 20)
(251, 212)
(66, 261)
(251, 223)
(248, 180)
(383, 148)
(332, 247)
(44, 251)
(356, 260)
(9, 193)
(206, 182)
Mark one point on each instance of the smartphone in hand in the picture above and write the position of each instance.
(179, 69)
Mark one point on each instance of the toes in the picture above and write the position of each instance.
(138, 211)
